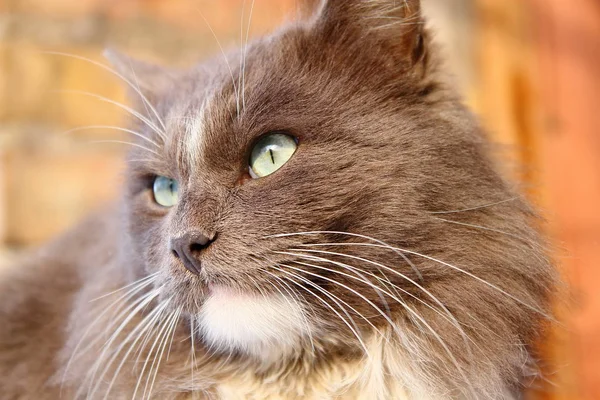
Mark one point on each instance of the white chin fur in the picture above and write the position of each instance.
(264, 327)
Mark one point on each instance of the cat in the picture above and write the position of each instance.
(316, 216)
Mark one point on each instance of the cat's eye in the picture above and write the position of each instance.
(270, 153)
(166, 191)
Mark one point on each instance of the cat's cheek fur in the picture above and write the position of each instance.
(264, 327)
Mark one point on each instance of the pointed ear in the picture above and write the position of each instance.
(396, 27)
(142, 78)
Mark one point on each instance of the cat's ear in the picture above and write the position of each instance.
(396, 27)
(141, 78)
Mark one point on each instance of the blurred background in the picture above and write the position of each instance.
(530, 68)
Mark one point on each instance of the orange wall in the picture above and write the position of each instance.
(569, 52)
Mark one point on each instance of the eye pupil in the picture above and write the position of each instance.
(271, 153)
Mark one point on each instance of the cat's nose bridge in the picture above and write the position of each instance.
(198, 209)
(187, 249)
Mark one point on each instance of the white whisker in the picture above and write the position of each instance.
(130, 110)
(246, 55)
(159, 337)
(452, 320)
(299, 305)
(179, 311)
(369, 238)
(147, 102)
(138, 282)
(349, 289)
(147, 298)
(476, 207)
(239, 85)
(398, 249)
(193, 355)
(354, 329)
(485, 229)
(224, 58)
(448, 316)
(394, 326)
(145, 325)
(115, 128)
(139, 146)
(170, 332)
(140, 285)
(120, 76)
(523, 303)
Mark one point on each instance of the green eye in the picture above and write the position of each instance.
(166, 191)
(271, 153)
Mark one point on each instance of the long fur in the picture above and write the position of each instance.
(387, 259)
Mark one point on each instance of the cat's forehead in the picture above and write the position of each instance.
(217, 108)
(292, 81)
(186, 124)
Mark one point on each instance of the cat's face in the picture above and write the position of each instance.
(289, 197)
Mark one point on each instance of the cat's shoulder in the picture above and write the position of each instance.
(37, 292)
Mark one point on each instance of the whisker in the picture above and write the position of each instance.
(118, 75)
(159, 337)
(246, 55)
(394, 326)
(130, 110)
(352, 329)
(116, 128)
(124, 298)
(139, 281)
(306, 324)
(146, 102)
(239, 85)
(476, 207)
(139, 330)
(147, 337)
(448, 316)
(369, 238)
(225, 58)
(369, 283)
(365, 318)
(141, 160)
(146, 300)
(139, 146)
(179, 311)
(193, 356)
(170, 332)
(485, 229)
(523, 303)
(349, 289)
(398, 249)
(452, 319)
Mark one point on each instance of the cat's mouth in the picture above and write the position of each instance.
(191, 294)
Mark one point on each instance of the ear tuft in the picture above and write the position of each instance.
(394, 25)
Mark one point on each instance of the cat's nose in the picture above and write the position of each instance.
(188, 247)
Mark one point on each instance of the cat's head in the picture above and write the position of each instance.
(324, 185)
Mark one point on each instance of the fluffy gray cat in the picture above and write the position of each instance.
(314, 217)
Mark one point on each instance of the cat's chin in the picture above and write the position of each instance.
(265, 327)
